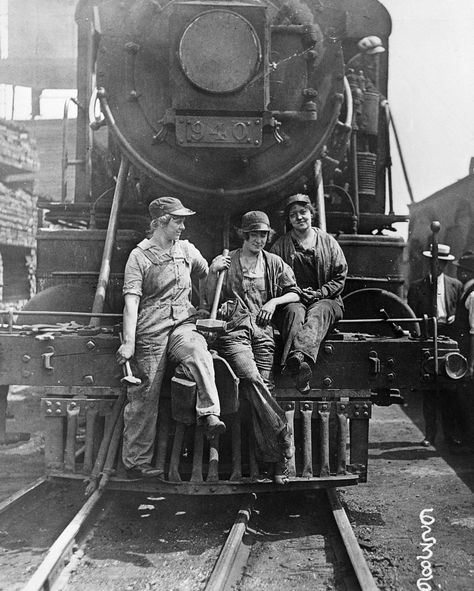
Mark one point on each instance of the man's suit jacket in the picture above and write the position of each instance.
(419, 296)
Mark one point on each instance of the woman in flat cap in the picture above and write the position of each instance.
(159, 324)
(256, 283)
(320, 269)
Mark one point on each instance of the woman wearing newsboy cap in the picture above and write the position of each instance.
(256, 283)
(320, 269)
(159, 324)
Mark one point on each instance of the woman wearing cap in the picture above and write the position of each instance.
(256, 283)
(159, 324)
(320, 269)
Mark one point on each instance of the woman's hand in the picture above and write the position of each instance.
(202, 313)
(265, 314)
(220, 263)
(308, 296)
(124, 353)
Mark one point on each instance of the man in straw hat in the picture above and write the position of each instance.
(449, 291)
(159, 325)
(420, 300)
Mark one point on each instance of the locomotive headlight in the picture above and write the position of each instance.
(455, 365)
(220, 51)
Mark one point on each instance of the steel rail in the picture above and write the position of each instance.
(356, 556)
(225, 566)
(45, 574)
(21, 494)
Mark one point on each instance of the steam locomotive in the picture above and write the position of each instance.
(230, 106)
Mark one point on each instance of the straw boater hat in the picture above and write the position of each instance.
(443, 253)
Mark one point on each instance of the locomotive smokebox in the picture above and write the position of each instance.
(219, 58)
(221, 103)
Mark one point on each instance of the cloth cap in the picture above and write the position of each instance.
(164, 205)
(298, 198)
(255, 221)
(443, 252)
(466, 261)
(371, 45)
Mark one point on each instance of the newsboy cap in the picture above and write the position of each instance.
(298, 198)
(443, 252)
(255, 221)
(466, 261)
(171, 205)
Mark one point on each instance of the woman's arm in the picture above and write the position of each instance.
(265, 314)
(130, 317)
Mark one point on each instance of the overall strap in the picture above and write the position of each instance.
(153, 258)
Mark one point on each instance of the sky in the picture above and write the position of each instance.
(431, 93)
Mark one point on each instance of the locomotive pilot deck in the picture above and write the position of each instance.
(84, 399)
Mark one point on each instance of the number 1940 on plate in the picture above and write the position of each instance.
(231, 132)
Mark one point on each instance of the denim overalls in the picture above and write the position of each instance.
(165, 330)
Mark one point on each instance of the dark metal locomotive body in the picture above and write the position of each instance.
(232, 106)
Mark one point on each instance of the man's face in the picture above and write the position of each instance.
(300, 217)
(441, 266)
(256, 241)
(174, 228)
(464, 275)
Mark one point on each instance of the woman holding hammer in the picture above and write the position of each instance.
(159, 324)
(256, 282)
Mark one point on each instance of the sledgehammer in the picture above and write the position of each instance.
(128, 377)
(211, 324)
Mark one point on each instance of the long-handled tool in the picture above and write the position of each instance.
(211, 324)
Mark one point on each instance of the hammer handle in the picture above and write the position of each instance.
(127, 370)
(220, 282)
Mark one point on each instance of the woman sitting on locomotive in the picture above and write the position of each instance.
(159, 323)
(320, 268)
(256, 282)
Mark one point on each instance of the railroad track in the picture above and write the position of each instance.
(235, 568)
(302, 541)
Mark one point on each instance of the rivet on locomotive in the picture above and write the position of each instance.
(230, 106)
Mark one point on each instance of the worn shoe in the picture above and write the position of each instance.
(214, 426)
(293, 363)
(143, 471)
(300, 370)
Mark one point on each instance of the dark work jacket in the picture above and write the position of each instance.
(331, 265)
(420, 296)
(461, 324)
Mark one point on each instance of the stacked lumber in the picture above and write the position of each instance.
(18, 217)
(18, 152)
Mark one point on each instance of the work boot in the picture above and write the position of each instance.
(143, 471)
(300, 370)
(214, 426)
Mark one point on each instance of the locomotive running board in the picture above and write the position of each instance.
(222, 487)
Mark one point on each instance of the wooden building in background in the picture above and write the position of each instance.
(453, 207)
(38, 46)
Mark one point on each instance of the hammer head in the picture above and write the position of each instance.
(211, 325)
(131, 380)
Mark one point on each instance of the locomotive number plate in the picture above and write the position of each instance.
(212, 132)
